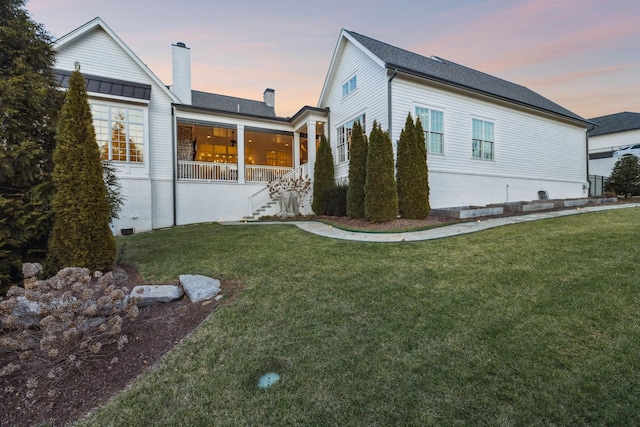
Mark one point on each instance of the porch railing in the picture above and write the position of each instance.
(262, 197)
(207, 171)
(264, 173)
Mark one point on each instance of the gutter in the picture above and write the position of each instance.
(393, 76)
(174, 156)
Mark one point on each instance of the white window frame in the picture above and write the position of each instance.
(432, 133)
(134, 122)
(349, 86)
(344, 137)
(483, 137)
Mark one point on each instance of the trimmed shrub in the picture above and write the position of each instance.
(381, 195)
(405, 175)
(336, 200)
(357, 172)
(323, 176)
(421, 205)
(81, 236)
(625, 177)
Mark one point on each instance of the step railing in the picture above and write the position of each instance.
(263, 197)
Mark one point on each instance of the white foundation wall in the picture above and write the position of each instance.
(454, 189)
(162, 194)
(207, 202)
(136, 210)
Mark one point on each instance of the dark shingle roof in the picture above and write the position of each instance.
(444, 71)
(613, 123)
(231, 104)
(107, 86)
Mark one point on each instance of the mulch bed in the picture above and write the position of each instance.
(156, 330)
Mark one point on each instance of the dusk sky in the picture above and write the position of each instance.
(581, 54)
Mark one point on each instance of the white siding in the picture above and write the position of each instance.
(369, 98)
(609, 142)
(613, 141)
(531, 152)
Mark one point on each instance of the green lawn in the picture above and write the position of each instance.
(530, 324)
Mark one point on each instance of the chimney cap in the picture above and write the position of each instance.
(269, 90)
(181, 44)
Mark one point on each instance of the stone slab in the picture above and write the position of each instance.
(537, 207)
(575, 202)
(155, 294)
(467, 212)
(199, 288)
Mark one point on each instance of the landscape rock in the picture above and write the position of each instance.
(199, 288)
(145, 295)
(31, 269)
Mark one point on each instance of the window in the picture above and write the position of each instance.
(119, 132)
(349, 86)
(344, 137)
(482, 145)
(433, 125)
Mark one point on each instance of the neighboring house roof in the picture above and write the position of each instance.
(107, 86)
(81, 31)
(231, 104)
(448, 72)
(612, 123)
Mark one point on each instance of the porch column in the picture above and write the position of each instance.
(240, 145)
(296, 150)
(311, 146)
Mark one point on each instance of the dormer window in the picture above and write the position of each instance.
(349, 86)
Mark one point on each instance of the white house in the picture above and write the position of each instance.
(612, 132)
(489, 140)
(183, 156)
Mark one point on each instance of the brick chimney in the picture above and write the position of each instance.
(181, 61)
(270, 98)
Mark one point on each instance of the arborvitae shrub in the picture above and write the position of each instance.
(357, 172)
(405, 173)
(625, 177)
(381, 196)
(421, 205)
(81, 236)
(336, 200)
(323, 176)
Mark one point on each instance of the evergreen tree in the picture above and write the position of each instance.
(421, 196)
(29, 105)
(381, 195)
(405, 173)
(357, 172)
(625, 177)
(323, 176)
(81, 236)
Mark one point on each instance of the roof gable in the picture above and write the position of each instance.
(612, 123)
(452, 74)
(85, 30)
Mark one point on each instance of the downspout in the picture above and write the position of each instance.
(393, 76)
(174, 161)
(586, 139)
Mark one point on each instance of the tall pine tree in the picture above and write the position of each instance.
(81, 236)
(323, 176)
(29, 105)
(381, 195)
(357, 172)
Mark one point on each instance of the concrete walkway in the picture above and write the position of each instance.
(325, 230)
